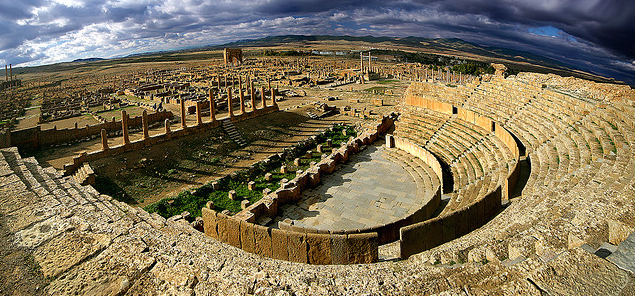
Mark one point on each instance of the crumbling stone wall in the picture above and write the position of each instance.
(34, 138)
(301, 247)
(233, 56)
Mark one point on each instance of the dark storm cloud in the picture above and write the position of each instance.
(598, 35)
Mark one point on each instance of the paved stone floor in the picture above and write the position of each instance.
(369, 190)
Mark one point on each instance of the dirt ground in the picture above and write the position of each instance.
(82, 120)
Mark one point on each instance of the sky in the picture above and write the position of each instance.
(597, 35)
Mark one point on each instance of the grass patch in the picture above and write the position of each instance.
(193, 201)
(387, 81)
(376, 89)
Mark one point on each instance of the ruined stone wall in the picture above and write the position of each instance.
(301, 247)
(426, 235)
(233, 55)
(139, 144)
(34, 138)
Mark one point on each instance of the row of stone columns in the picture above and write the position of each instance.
(199, 119)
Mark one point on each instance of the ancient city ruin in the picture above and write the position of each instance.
(382, 178)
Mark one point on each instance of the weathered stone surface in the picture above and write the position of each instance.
(262, 237)
(108, 273)
(297, 247)
(247, 236)
(618, 232)
(319, 248)
(624, 256)
(221, 220)
(209, 222)
(362, 248)
(279, 244)
(233, 232)
(576, 272)
(339, 249)
(68, 249)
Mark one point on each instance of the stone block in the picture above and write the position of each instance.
(221, 227)
(262, 241)
(462, 225)
(339, 249)
(420, 237)
(232, 195)
(251, 185)
(297, 162)
(448, 227)
(247, 236)
(320, 149)
(245, 204)
(209, 222)
(329, 142)
(362, 248)
(283, 169)
(279, 244)
(297, 247)
(618, 232)
(233, 232)
(319, 248)
(268, 177)
(215, 185)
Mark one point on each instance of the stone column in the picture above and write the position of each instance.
(212, 110)
(218, 80)
(104, 140)
(225, 81)
(167, 126)
(242, 98)
(253, 96)
(262, 93)
(199, 119)
(144, 120)
(273, 96)
(124, 127)
(361, 61)
(229, 103)
(183, 123)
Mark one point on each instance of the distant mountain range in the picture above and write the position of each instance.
(449, 45)
(518, 59)
(524, 60)
(87, 60)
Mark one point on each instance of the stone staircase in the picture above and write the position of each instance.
(233, 133)
(85, 175)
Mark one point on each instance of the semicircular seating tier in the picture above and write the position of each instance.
(578, 136)
(477, 159)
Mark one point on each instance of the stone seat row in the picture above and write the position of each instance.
(474, 158)
(567, 167)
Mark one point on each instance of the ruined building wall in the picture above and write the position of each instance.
(34, 138)
(233, 56)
